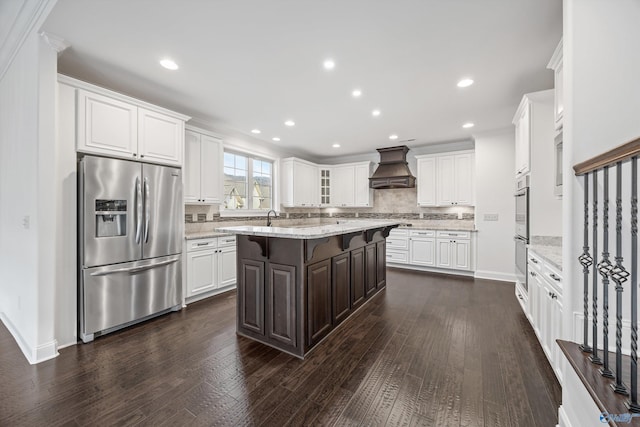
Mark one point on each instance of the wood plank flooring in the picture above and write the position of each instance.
(430, 350)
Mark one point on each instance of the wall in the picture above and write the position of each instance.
(495, 163)
(602, 100)
(27, 217)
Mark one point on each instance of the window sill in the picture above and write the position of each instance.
(240, 213)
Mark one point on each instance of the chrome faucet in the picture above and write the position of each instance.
(269, 217)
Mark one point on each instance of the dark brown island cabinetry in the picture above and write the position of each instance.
(293, 292)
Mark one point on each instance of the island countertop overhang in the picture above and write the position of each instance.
(311, 232)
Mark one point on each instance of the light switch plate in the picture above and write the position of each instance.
(490, 217)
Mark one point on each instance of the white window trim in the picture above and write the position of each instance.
(275, 185)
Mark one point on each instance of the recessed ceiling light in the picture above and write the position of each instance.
(290, 123)
(275, 138)
(393, 137)
(336, 145)
(328, 64)
(468, 125)
(375, 113)
(169, 64)
(465, 83)
(256, 131)
(356, 93)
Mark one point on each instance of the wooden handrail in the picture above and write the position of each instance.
(619, 154)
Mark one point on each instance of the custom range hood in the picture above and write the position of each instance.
(393, 170)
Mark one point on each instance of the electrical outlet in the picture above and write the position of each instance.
(490, 217)
(26, 222)
(421, 215)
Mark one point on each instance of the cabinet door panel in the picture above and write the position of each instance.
(211, 169)
(192, 167)
(462, 251)
(362, 192)
(251, 296)
(318, 300)
(201, 272)
(423, 251)
(370, 264)
(464, 186)
(357, 277)
(446, 177)
(444, 253)
(381, 266)
(340, 275)
(160, 137)
(282, 303)
(343, 186)
(107, 126)
(226, 266)
(426, 182)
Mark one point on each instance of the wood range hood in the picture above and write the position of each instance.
(393, 170)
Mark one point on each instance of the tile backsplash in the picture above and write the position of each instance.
(400, 203)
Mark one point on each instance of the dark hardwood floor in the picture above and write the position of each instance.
(430, 350)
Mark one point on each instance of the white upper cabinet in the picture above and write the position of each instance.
(426, 181)
(522, 122)
(107, 125)
(305, 184)
(446, 179)
(556, 65)
(343, 186)
(300, 183)
(363, 193)
(160, 137)
(112, 124)
(202, 168)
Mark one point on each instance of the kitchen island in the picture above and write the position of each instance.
(297, 284)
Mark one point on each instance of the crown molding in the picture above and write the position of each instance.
(30, 17)
(55, 42)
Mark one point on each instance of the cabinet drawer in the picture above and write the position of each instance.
(397, 257)
(201, 244)
(422, 233)
(535, 263)
(226, 241)
(397, 243)
(398, 233)
(455, 234)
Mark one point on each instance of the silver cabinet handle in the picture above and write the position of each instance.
(532, 274)
(553, 295)
(147, 209)
(554, 277)
(533, 260)
(138, 210)
(202, 244)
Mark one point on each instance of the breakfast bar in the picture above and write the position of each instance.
(296, 285)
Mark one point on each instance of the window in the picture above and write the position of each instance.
(248, 182)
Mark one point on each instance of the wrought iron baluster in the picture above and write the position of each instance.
(632, 404)
(604, 267)
(586, 261)
(594, 296)
(619, 275)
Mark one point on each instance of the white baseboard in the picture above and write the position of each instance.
(495, 275)
(563, 420)
(41, 353)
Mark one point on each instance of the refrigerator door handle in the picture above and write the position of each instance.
(147, 210)
(138, 210)
(133, 270)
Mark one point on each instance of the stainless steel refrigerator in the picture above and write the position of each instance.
(131, 232)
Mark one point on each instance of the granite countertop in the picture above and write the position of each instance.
(205, 235)
(307, 232)
(549, 248)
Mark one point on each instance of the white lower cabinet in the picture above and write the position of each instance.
(211, 266)
(422, 248)
(545, 308)
(442, 249)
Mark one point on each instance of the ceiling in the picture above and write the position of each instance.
(252, 64)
